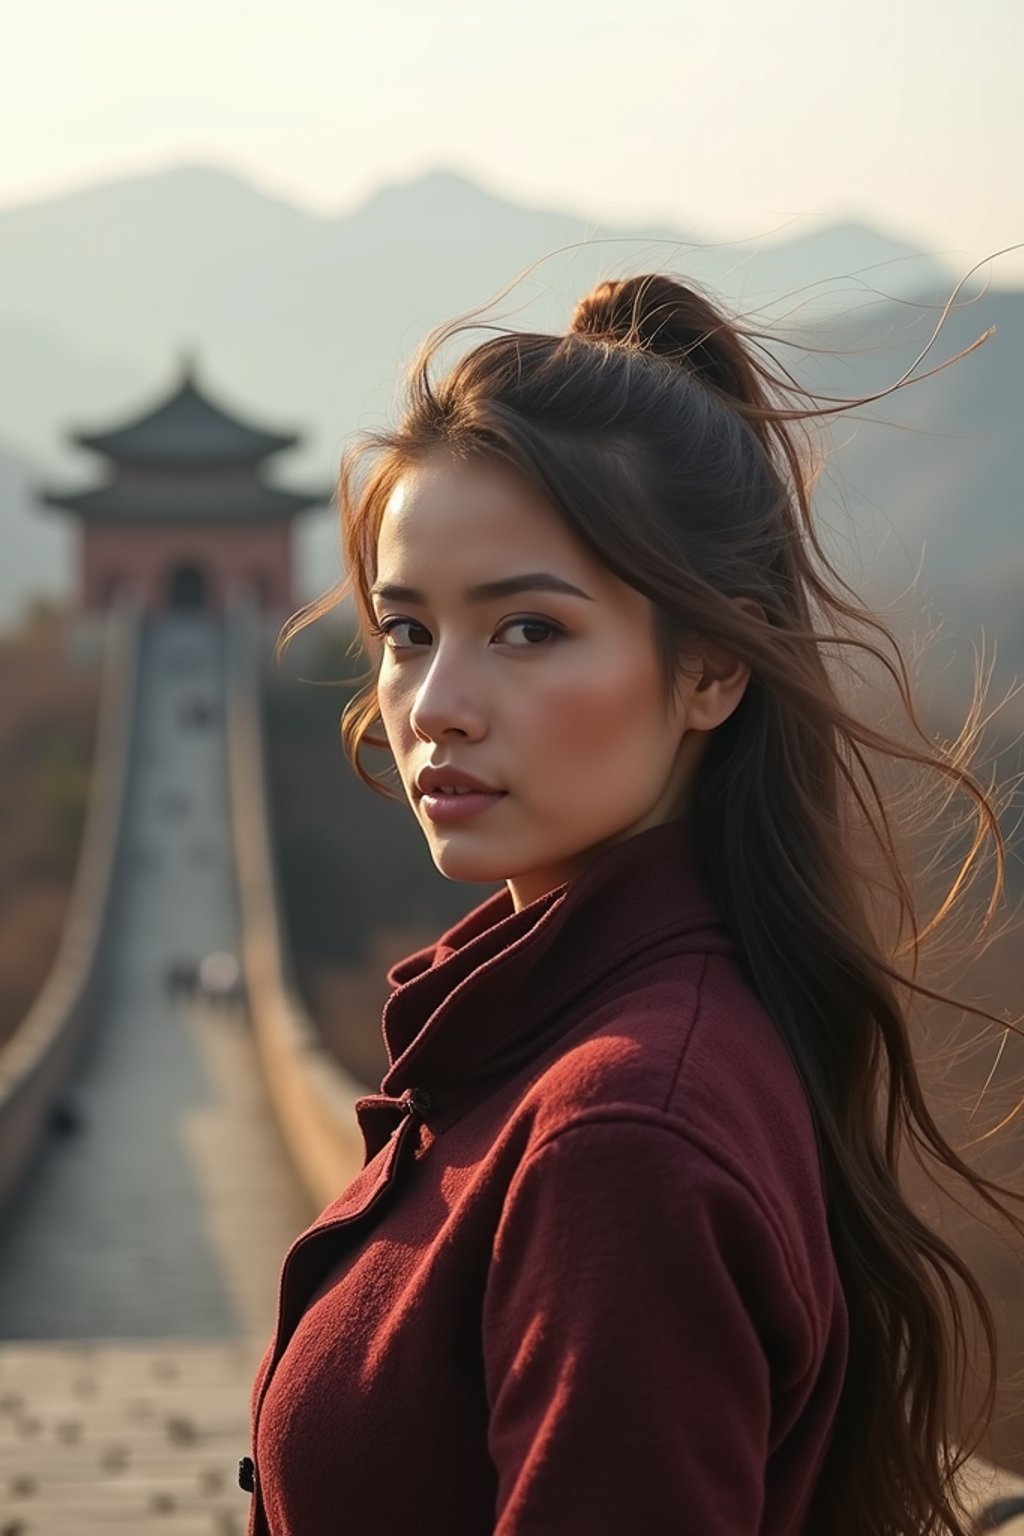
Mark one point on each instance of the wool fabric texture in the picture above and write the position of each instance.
(583, 1284)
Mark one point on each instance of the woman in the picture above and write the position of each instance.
(628, 1252)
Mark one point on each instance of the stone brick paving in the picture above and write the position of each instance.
(123, 1438)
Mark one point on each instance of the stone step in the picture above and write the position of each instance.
(135, 1437)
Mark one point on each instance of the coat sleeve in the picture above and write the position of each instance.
(628, 1382)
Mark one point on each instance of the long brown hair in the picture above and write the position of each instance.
(660, 434)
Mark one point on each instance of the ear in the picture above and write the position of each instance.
(723, 680)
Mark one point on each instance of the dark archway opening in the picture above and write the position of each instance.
(113, 581)
(259, 585)
(188, 588)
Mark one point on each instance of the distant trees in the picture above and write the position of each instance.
(47, 731)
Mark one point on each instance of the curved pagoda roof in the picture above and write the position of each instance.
(183, 503)
(186, 428)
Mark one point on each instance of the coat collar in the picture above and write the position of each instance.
(489, 992)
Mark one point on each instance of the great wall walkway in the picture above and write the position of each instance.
(138, 1267)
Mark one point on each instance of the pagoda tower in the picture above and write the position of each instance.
(185, 518)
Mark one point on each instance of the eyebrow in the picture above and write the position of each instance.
(507, 586)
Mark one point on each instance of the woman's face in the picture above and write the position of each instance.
(554, 698)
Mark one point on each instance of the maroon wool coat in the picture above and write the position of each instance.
(583, 1284)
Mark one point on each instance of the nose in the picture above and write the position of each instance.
(444, 703)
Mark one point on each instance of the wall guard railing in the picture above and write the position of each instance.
(37, 1060)
(312, 1095)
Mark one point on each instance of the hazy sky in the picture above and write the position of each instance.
(733, 118)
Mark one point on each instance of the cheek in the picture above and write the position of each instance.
(606, 712)
(394, 709)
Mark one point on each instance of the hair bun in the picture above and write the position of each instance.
(655, 313)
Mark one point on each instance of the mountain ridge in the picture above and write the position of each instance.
(306, 320)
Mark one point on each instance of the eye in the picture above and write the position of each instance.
(387, 627)
(553, 632)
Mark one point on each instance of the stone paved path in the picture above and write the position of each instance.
(138, 1270)
(122, 1438)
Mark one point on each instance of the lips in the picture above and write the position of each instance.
(439, 780)
(459, 808)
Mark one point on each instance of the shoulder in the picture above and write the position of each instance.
(688, 1038)
(689, 1054)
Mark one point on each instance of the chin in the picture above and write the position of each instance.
(464, 864)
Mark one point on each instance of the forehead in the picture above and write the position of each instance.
(446, 510)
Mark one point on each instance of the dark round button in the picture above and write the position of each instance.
(247, 1474)
(420, 1100)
